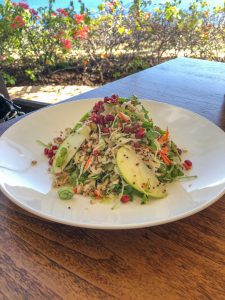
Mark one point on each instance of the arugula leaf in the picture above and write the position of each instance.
(145, 111)
(128, 190)
(152, 135)
(153, 146)
(147, 124)
(144, 199)
(123, 100)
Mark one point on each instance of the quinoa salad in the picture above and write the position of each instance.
(116, 153)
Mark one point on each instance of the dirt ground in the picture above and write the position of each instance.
(47, 93)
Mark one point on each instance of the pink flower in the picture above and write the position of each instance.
(62, 12)
(79, 18)
(54, 14)
(18, 22)
(66, 44)
(23, 5)
(33, 12)
(14, 4)
(81, 33)
(110, 5)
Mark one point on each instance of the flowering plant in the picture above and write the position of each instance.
(112, 42)
(40, 37)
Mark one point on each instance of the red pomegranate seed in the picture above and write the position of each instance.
(140, 133)
(98, 107)
(54, 147)
(114, 96)
(101, 119)
(95, 118)
(106, 99)
(50, 153)
(46, 151)
(50, 161)
(125, 199)
(105, 130)
(109, 118)
(187, 164)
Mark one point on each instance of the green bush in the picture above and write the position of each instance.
(112, 42)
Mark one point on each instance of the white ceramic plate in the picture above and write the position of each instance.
(30, 186)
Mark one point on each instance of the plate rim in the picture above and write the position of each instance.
(47, 217)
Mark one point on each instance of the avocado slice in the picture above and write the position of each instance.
(68, 148)
(137, 174)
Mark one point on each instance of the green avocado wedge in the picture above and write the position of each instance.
(68, 148)
(137, 174)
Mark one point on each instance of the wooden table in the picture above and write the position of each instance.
(181, 260)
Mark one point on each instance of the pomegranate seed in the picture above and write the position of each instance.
(106, 99)
(109, 118)
(46, 151)
(188, 162)
(114, 96)
(50, 153)
(101, 119)
(54, 147)
(112, 100)
(125, 199)
(140, 133)
(50, 161)
(98, 107)
(95, 118)
(105, 130)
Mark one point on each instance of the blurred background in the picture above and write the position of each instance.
(52, 50)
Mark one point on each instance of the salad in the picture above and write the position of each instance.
(115, 152)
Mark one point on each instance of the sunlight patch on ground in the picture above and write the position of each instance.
(48, 93)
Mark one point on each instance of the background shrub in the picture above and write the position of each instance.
(109, 44)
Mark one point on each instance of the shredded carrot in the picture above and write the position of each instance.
(88, 163)
(166, 159)
(164, 138)
(164, 150)
(123, 117)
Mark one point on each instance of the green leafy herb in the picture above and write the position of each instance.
(153, 146)
(122, 100)
(65, 193)
(145, 111)
(152, 135)
(144, 199)
(147, 124)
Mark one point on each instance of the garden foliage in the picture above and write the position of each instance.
(106, 44)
